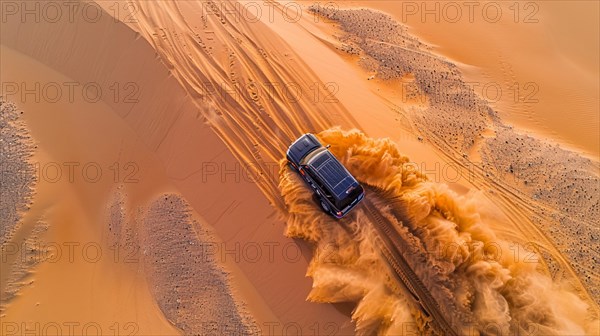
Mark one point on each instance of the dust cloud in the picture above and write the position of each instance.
(473, 275)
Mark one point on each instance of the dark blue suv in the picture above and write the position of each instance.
(336, 189)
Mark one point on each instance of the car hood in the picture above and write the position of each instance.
(302, 147)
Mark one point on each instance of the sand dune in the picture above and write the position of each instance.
(209, 96)
(188, 284)
(18, 179)
(464, 126)
(17, 183)
(544, 52)
(74, 275)
(147, 132)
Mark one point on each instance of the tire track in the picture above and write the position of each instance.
(392, 249)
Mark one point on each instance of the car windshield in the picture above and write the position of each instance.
(341, 204)
(312, 154)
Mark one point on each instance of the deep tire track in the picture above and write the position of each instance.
(392, 249)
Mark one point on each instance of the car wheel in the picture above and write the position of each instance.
(325, 206)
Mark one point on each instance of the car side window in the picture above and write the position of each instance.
(311, 175)
(317, 181)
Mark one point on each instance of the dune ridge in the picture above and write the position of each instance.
(18, 174)
(190, 287)
(17, 183)
(18, 273)
(501, 295)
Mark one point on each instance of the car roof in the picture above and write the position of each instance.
(332, 173)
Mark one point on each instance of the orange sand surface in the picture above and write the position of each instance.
(545, 52)
(200, 99)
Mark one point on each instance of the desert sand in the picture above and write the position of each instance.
(544, 52)
(174, 213)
